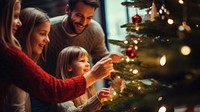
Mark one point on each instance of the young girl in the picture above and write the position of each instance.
(73, 61)
(17, 68)
(32, 36)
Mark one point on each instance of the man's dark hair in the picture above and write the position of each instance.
(93, 3)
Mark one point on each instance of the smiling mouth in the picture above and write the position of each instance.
(86, 71)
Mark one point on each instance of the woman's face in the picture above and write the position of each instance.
(39, 37)
(16, 22)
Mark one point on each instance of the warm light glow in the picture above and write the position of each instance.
(162, 7)
(170, 21)
(139, 88)
(114, 93)
(160, 11)
(136, 47)
(135, 71)
(181, 1)
(160, 98)
(131, 70)
(127, 59)
(185, 50)
(186, 27)
(181, 28)
(197, 25)
(163, 60)
(125, 42)
(135, 41)
(137, 28)
(162, 109)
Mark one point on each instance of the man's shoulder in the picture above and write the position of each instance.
(94, 25)
(57, 19)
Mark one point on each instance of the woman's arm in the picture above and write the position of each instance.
(24, 73)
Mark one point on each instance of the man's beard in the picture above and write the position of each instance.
(72, 26)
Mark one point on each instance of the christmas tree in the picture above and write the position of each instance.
(160, 70)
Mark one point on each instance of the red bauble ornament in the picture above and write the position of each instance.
(130, 52)
(136, 19)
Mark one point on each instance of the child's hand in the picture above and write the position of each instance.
(103, 93)
(116, 57)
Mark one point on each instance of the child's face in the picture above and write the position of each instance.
(39, 37)
(80, 66)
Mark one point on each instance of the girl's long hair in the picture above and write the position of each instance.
(6, 21)
(6, 36)
(65, 58)
(30, 18)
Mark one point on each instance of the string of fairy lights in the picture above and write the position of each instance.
(132, 44)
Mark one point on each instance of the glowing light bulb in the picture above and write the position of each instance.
(125, 42)
(135, 41)
(135, 71)
(136, 47)
(170, 21)
(163, 60)
(127, 59)
(160, 98)
(181, 1)
(162, 109)
(185, 50)
(137, 28)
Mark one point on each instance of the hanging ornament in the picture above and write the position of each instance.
(130, 52)
(136, 19)
(154, 12)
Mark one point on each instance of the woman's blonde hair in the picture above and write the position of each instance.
(30, 18)
(6, 21)
(6, 36)
(65, 58)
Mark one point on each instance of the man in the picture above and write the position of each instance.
(75, 28)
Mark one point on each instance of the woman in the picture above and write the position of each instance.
(32, 36)
(17, 68)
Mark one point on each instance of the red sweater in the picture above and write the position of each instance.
(17, 68)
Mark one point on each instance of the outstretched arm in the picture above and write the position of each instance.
(17, 68)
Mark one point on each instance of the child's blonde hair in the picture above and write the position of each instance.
(65, 58)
